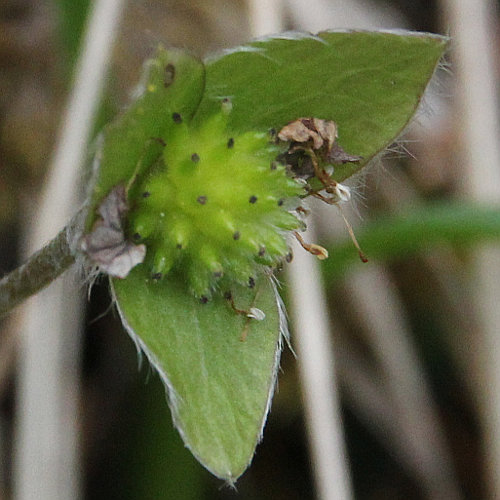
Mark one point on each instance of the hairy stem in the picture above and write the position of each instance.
(38, 271)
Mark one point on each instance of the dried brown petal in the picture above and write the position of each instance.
(298, 131)
(327, 130)
(114, 207)
(338, 155)
(106, 245)
(124, 260)
(315, 130)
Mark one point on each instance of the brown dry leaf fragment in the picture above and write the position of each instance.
(300, 165)
(298, 131)
(338, 155)
(107, 249)
(318, 135)
(114, 207)
(310, 130)
(327, 130)
(125, 260)
(106, 245)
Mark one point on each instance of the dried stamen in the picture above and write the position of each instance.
(316, 250)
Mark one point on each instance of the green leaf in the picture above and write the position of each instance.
(72, 15)
(219, 386)
(369, 83)
(131, 141)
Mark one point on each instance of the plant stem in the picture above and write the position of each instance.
(37, 272)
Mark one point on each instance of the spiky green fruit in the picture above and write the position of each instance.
(217, 206)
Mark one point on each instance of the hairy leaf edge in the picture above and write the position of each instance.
(173, 398)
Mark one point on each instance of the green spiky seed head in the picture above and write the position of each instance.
(216, 208)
